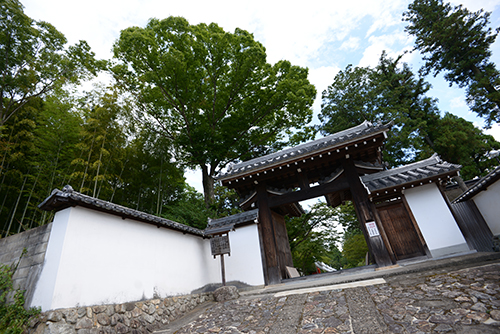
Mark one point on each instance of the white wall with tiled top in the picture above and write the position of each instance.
(245, 256)
(488, 203)
(435, 220)
(97, 258)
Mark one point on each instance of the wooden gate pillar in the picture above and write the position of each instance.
(272, 273)
(366, 212)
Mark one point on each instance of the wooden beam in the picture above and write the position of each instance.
(302, 195)
(366, 212)
(303, 180)
(272, 273)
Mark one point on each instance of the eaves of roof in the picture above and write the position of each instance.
(424, 170)
(485, 182)
(359, 132)
(226, 224)
(61, 199)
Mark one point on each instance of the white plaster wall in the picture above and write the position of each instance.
(97, 258)
(44, 289)
(245, 262)
(436, 222)
(488, 202)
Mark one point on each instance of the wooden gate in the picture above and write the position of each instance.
(400, 230)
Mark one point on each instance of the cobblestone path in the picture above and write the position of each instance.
(463, 301)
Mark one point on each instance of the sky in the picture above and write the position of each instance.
(324, 36)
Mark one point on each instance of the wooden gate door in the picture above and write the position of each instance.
(400, 231)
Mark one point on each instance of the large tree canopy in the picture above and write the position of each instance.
(34, 60)
(457, 41)
(391, 91)
(210, 92)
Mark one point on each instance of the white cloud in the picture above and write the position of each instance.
(289, 31)
(321, 78)
(494, 131)
(458, 102)
(474, 5)
(323, 35)
(194, 179)
(391, 43)
(351, 44)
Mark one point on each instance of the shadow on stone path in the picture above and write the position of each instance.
(461, 301)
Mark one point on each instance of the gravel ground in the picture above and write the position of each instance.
(459, 301)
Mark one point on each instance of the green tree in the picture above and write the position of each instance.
(146, 176)
(335, 258)
(459, 141)
(346, 216)
(390, 92)
(311, 237)
(188, 209)
(354, 250)
(102, 141)
(39, 141)
(457, 42)
(211, 92)
(35, 60)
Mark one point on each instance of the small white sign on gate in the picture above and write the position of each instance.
(372, 229)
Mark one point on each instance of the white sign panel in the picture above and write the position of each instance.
(372, 229)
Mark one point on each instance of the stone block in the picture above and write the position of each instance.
(54, 316)
(71, 315)
(40, 248)
(82, 311)
(99, 309)
(121, 329)
(88, 331)
(226, 293)
(115, 318)
(148, 318)
(129, 306)
(134, 323)
(84, 323)
(102, 318)
(151, 309)
(495, 314)
(136, 312)
(59, 328)
(120, 308)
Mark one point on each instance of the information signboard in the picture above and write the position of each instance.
(372, 229)
(220, 245)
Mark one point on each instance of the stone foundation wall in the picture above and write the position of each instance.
(135, 318)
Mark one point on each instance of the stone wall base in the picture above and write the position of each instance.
(135, 318)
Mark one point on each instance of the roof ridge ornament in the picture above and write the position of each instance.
(67, 189)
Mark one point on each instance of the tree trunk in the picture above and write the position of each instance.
(15, 207)
(88, 162)
(27, 204)
(98, 166)
(208, 186)
(159, 188)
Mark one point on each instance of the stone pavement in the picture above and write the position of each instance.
(464, 298)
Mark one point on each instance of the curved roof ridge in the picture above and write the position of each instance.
(432, 160)
(62, 199)
(298, 151)
(481, 185)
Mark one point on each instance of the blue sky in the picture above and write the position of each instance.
(324, 36)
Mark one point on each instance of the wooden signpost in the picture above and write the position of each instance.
(220, 246)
